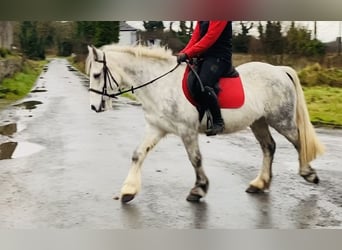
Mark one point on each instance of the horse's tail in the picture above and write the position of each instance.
(310, 146)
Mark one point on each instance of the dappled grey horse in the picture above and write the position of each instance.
(273, 98)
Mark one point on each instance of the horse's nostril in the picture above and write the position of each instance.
(93, 108)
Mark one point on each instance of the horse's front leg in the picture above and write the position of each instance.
(262, 133)
(132, 184)
(200, 189)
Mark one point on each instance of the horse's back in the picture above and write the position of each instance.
(260, 74)
(255, 67)
(268, 89)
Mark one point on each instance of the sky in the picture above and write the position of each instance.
(327, 31)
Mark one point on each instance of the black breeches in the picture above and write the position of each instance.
(210, 70)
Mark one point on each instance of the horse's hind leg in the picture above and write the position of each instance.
(305, 170)
(200, 189)
(268, 146)
(132, 184)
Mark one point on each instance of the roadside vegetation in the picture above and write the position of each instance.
(323, 92)
(325, 105)
(20, 84)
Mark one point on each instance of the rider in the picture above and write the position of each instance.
(211, 44)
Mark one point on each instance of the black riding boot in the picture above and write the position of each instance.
(217, 125)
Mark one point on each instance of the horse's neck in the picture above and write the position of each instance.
(143, 71)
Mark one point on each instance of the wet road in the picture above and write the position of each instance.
(69, 162)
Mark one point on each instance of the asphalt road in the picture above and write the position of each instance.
(69, 162)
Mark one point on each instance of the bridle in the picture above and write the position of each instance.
(109, 78)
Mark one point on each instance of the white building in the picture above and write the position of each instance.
(127, 34)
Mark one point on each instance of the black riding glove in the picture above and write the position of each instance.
(181, 57)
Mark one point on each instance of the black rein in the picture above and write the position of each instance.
(108, 75)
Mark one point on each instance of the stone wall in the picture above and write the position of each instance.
(9, 67)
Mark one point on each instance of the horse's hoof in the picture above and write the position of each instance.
(127, 198)
(312, 177)
(193, 198)
(254, 190)
(316, 180)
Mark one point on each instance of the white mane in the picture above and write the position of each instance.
(160, 53)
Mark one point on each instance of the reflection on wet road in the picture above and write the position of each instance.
(68, 162)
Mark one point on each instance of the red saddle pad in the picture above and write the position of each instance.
(231, 93)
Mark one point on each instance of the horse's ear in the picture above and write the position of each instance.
(92, 49)
(89, 48)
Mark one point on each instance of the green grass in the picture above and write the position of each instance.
(325, 105)
(19, 85)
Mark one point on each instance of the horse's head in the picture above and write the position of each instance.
(102, 81)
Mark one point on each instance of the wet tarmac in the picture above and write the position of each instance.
(69, 163)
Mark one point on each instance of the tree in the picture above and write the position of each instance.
(299, 43)
(106, 33)
(241, 41)
(271, 39)
(154, 25)
(46, 31)
(64, 35)
(31, 44)
(97, 33)
(185, 32)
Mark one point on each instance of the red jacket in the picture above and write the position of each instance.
(197, 45)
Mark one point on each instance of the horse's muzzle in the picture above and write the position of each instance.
(100, 109)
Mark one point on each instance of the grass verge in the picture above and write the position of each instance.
(325, 105)
(17, 86)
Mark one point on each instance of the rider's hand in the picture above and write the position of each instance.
(181, 57)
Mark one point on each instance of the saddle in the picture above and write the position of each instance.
(229, 90)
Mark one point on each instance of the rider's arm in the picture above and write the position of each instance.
(214, 31)
(194, 38)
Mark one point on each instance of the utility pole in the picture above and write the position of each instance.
(339, 39)
(315, 30)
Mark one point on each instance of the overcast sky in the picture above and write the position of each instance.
(327, 31)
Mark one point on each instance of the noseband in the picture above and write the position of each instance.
(109, 78)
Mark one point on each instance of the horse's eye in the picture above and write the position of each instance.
(97, 75)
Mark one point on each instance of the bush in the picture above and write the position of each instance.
(315, 75)
(4, 52)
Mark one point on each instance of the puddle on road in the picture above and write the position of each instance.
(7, 149)
(38, 90)
(13, 150)
(29, 104)
(8, 129)
(71, 68)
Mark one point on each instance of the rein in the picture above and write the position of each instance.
(109, 76)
